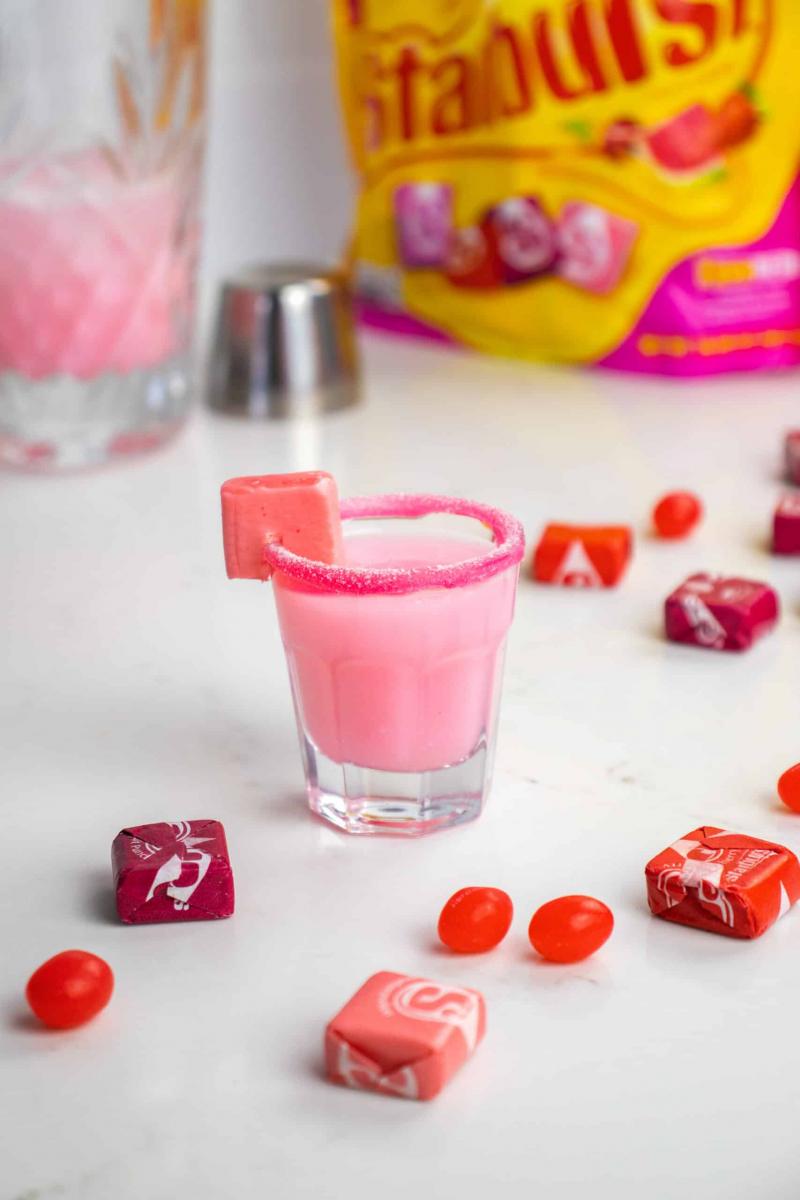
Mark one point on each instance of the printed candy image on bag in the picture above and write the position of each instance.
(609, 182)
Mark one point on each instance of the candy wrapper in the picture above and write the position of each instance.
(172, 871)
(720, 612)
(403, 1036)
(616, 179)
(583, 556)
(723, 882)
(786, 525)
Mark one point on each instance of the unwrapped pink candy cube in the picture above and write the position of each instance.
(720, 613)
(423, 214)
(786, 525)
(523, 237)
(403, 1036)
(172, 871)
(594, 247)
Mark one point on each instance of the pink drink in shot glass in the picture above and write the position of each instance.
(395, 657)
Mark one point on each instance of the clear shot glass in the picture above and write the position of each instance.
(396, 660)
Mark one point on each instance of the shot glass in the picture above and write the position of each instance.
(396, 660)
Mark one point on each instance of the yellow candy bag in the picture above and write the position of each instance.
(606, 182)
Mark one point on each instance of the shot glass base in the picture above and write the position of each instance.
(405, 803)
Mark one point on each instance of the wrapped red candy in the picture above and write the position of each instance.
(786, 525)
(472, 262)
(172, 871)
(522, 237)
(587, 556)
(723, 882)
(791, 450)
(403, 1036)
(720, 612)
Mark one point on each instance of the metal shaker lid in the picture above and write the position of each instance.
(284, 343)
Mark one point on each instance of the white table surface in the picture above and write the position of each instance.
(139, 685)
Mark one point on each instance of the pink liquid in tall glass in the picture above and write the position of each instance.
(95, 269)
(398, 682)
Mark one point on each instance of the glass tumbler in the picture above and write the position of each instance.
(101, 143)
(396, 657)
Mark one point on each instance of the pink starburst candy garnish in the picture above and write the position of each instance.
(298, 511)
(403, 1036)
(172, 871)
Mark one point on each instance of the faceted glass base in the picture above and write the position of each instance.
(409, 803)
(61, 422)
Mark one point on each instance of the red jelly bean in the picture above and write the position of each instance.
(570, 928)
(789, 788)
(70, 988)
(676, 514)
(475, 919)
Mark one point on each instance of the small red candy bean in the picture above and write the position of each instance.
(70, 988)
(475, 919)
(676, 514)
(570, 928)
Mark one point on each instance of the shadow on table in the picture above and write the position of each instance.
(98, 898)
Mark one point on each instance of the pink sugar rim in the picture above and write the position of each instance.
(508, 549)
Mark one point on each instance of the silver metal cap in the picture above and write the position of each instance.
(284, 344)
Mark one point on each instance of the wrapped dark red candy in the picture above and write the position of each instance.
(522, 237)
(723, 882)
(786, 525)
(720, 612)
(172, 871)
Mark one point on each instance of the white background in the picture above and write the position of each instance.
(139, 685)
(278, 184)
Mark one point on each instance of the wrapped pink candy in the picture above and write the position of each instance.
(786, 525)
(423, 214)
(594, 246)
(403, 1036)
(720, 613)
(172, 871)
